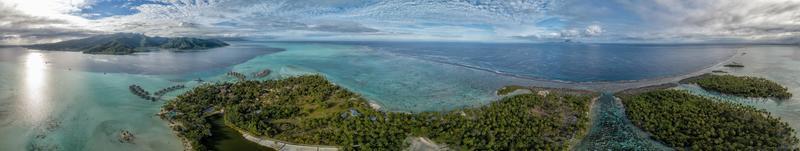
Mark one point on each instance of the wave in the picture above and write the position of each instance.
(455, 62)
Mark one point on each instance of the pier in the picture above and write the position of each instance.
(138, 91)
(161, 92)
(237, 75)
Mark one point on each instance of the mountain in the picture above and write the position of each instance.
(192, 43)
(127, 43)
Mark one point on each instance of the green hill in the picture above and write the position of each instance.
(127, 43)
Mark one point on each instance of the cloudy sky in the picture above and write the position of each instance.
(616, 21)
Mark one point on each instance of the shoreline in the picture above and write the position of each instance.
(281, 145)
(618, 86)
(737, 52)
(171, 124)
(576, 142)
(284, 145)
(572, 88)
(278, 144)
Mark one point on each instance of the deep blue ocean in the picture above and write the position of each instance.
(569, 62)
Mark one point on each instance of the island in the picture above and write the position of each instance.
(508, 89)
(308, 110)
(685, 121)
(742, 86)
(128, 43)
(735, 64)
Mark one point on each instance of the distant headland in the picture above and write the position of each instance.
(128, 43)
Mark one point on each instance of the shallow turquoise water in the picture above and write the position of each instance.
(45, 108)
(611, 129)
(777, 63)
(71, 101)
(57, 101)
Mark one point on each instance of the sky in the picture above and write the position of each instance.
(599, 21)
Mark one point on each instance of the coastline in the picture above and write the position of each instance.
(280, 145)
(616, 86)
(593, 88)
(186, 145)
(737, 52)
(422, 142)
(171, 124)
(575, 142)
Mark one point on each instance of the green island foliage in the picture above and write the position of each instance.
(508, 89)
(689, 122)
(128, 43)
(311, 110)
(743, 86)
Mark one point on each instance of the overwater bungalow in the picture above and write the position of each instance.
(168, 89)
(138, 91)
(237, 75)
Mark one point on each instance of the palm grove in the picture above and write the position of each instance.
(310, 110)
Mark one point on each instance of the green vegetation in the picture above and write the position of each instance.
(192, 43)
(508, 89)
(127, 43)
(689, 122)
(310, 110)
(520, 122)
(225, 138)
(742, 86)
(734, 65)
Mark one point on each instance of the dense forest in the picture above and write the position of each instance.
(689, 122)
(311, 110)
(743, 86)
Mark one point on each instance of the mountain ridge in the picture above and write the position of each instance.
(128, 43)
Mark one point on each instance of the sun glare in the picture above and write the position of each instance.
(34, 86)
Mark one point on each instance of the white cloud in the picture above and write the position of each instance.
(662, 20)
(593, 30)
(23, 27)
(746, 20)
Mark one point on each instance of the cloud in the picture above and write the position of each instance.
(719, 19)
(471, 20)
(357, 18)
(21, 28)
(343, 27)
(566, 34)
(593, 30)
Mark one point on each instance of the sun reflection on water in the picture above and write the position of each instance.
(34, 87)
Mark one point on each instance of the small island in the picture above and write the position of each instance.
(128, 43)
(309, 110)
(126, 136)
(734, 65)
(689, 122)
(743, 86)
(508, 89)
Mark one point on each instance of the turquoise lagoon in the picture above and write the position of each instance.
(777, 63)
(73, 101)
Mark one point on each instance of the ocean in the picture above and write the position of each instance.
(74, 101)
